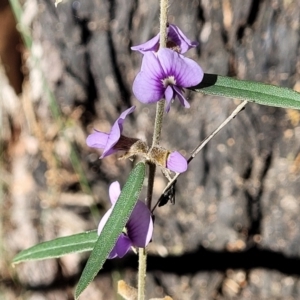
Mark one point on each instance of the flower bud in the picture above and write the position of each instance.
(176, 162)
(173, 161)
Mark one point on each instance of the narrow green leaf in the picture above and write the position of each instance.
(113, 227)
(80, 242)
(261, 93)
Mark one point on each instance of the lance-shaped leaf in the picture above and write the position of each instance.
(80, 242)
(261, 93)
(113, 227)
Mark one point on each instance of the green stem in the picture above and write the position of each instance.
(142, 273)
(160, 108)
(163, 23)
(24, 30)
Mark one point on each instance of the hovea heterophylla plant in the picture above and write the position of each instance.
(165, 73)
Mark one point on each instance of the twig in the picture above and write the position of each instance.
(239, 108)
(160, 107)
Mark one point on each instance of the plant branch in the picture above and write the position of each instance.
(160, 107)
(142, 273)
(163, 23)
(239, 108)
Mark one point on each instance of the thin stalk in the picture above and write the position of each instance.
(142, 273)
(163, 23)
(24, 30)
(160, 107)
(239, 108)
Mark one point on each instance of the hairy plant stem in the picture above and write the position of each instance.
(163, 23)
(160, 107)
(142, 273)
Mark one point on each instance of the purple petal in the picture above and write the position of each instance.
(169, 93)
(178, 37)
(147, 86)
(176, 162)
(147, 90)
(104, 220)
(97, 139)
(181, 97)
(123, 243)
(140, 225)
(113, 253)
(114, 192)
(124, 114)
(151, 45)
(168, 106)
(186, 72)
(175, 35)
(115, 133)
(122, 246)
(151, 64)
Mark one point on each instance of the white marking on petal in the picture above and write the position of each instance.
(169, 81)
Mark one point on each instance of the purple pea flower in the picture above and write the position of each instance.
(172, 161)
(176, 41)
(113, 141)
(176, 162)
(139, 226)
(164, 75)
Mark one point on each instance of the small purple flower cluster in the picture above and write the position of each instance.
(164, 73)
(115, 141)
